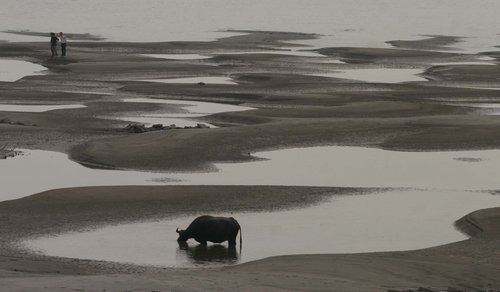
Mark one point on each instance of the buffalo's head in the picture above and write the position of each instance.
(182, 235)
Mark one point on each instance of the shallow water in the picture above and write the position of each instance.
(47, 170)
(194, 107)
(193, 110)
(178, 56)
(282, 51)
(379, 75)
(342, 22)
(360, 167)
(37, 108)
(395, 220)
(194, 80)
(13, 70)
(463, 63)
(314, 166)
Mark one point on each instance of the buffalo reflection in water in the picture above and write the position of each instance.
(215, 253)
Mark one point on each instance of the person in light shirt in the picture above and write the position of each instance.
(64, 41)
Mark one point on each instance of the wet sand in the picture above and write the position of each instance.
(293, 108)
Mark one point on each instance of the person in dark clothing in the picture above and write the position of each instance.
(53, 44)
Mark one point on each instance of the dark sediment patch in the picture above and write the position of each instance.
(391, 56)
(465, 73)
(432, 42)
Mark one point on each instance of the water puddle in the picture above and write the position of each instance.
(361, 167)
(395, 220)
(315, 166)
(13, 70)
(194, 80)
(194, 107)
(192, 110)
(178, 56)
(332, 61)
(37, 108)
(392, 220)
(281, 51)
(379, 75)
(47, 170)
(463, 63)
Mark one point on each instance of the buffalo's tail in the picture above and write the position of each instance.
(241, 237)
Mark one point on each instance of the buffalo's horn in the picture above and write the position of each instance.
(177, 230)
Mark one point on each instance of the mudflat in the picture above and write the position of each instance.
(293, 107)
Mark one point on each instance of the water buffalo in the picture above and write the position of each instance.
(214, 229)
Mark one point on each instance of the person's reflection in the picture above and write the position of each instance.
(209, 253)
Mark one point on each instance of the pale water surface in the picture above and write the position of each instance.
(315, 166)
(178, 56)
(360, 167)
(341, 22)
(13, 70)
(194, 107)
(395, 220)
(188, 118)
(37, 108)
(289, 52)
(377, 75)
(36, 171)
(195, 80)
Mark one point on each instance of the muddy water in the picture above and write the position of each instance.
(395, 220)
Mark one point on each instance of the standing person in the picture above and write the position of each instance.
(53, 44)
(64, 41)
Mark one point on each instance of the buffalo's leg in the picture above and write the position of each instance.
(232, 241)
